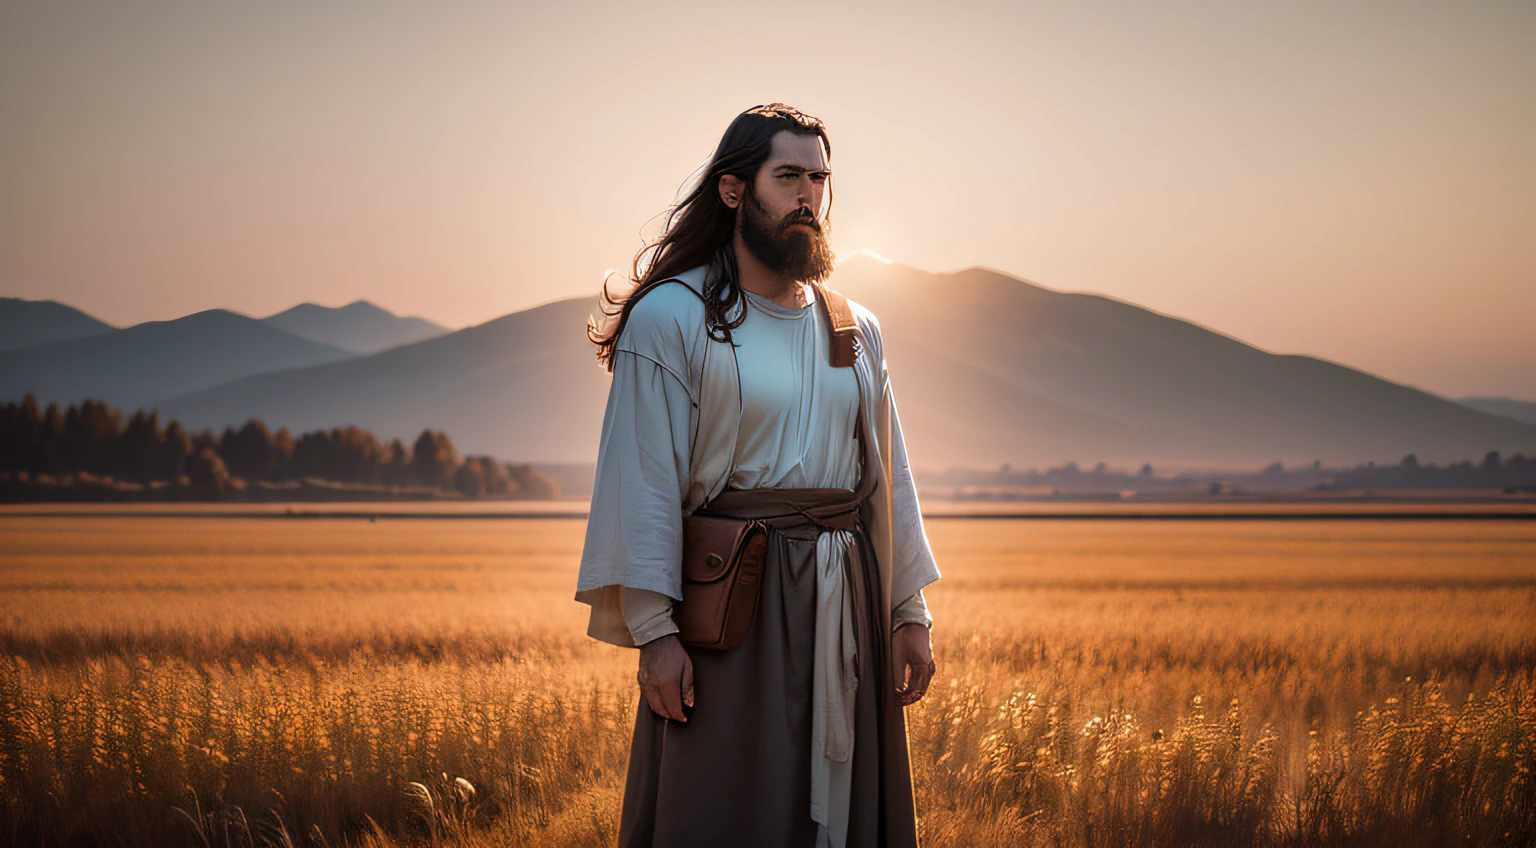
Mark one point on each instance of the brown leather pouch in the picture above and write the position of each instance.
(722, 578)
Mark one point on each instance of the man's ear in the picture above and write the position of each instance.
(732, 189)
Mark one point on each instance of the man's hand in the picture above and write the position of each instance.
(912, 665)
(666, 677)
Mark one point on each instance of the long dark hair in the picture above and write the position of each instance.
(699, 228)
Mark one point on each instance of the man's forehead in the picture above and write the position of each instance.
(800, 150)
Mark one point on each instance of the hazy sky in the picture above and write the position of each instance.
(1351, 180)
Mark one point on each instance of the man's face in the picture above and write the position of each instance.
(780, 222)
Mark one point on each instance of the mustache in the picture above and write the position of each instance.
(800, 216)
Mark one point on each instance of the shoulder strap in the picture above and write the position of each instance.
(844, 328)
(841, 324)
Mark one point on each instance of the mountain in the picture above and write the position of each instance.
(143, 364)
(358, 327)
(1181, 392)
(29, 322)
(524, 386)
(987, 369)
(1520, 410)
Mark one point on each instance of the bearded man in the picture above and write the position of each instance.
(732, 397)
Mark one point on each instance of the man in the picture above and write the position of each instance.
(726, 396)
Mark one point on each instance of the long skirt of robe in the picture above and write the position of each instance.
(738, 772)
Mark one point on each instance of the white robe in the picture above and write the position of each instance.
(668, 445)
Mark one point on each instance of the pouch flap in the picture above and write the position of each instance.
(710, 544)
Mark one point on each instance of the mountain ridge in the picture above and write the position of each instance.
(988, 369)
(24, 323)
(360, 327)
(1519, 410)
(469, 383)
(1208, 393)
(139, 366)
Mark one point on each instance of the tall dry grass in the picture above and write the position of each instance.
(223, 682)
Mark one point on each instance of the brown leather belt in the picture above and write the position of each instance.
(783, 509)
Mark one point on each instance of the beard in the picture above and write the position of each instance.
(798, 252)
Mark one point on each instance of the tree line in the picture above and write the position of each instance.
(99, 441)
(1494, 471)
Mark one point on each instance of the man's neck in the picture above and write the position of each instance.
(759, 279)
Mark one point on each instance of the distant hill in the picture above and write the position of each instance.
(24, 323)
(1178, 392)
(358, 327)
(987, 369)
(143, 364)
(1520, 410)
(525, 386)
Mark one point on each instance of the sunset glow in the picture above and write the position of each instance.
(864, 251)
(1350, 181)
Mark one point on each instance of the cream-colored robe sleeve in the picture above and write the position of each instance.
(913, 610)
(648, 614)
(634, 530)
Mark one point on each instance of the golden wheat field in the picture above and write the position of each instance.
(230, 682)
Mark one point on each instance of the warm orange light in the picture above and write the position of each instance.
(864, 251)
